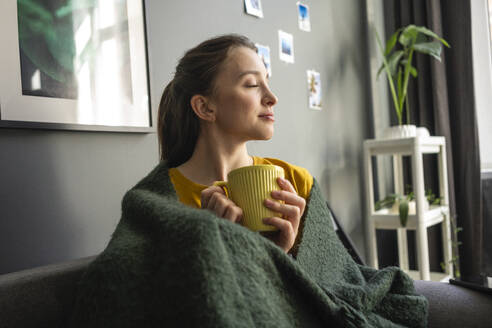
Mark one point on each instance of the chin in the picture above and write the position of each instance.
(261, 134)
(267, 136)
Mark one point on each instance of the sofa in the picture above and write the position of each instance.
(42, 297)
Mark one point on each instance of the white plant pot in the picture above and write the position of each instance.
(401, 131)
(423, 132)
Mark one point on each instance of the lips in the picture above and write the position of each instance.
(268, 116)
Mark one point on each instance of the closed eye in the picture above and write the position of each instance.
(252, 86)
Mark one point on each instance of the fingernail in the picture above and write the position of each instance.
(275, 193)
(268, 201)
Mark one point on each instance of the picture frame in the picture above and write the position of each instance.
(84, 68)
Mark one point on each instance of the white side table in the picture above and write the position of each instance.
(424, 216)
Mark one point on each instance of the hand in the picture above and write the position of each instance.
(292, 211)
(214, 199)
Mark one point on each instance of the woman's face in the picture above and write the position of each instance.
(242, 99)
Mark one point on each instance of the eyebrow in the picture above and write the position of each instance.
(250, 72)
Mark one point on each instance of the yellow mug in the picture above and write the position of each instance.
(248, 187)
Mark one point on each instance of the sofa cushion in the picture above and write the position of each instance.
(454, 306)
(39, 297)
(42, 297)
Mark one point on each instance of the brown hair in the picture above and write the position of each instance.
(178, 126)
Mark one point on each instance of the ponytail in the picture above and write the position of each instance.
(178, 129)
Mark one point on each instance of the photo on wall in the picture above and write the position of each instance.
(52, 52)
(314, 88)
(264, 53)
(303, 17)
(79, 64)
(286, 46)
(253, 7)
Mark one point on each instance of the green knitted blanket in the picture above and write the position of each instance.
(170, 265)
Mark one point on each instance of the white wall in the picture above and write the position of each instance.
(381, 106)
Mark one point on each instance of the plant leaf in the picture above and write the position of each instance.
(421, 38)
(413, 71)
(380, 70)
(408, 35)
(74, 5)
(398, 81)
(390, 80)
(403, 209)
(426, 31)
(394, 60)
(391, 42)
(393, 197)
(430, 48)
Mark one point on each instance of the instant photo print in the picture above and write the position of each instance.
(286, 47)
(253, 7)
(314, 87)
(303, 17)
(264, 53)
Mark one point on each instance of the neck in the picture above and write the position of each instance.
(213, 158)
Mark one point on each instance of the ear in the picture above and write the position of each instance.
(203, 108)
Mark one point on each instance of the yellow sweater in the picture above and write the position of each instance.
(189, 192)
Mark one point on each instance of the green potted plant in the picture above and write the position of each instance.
(397, 64)
(405, 204)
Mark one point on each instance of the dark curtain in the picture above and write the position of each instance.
(442, 99)
(487, 222)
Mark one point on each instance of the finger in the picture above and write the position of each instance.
(214, 198)
(289, 198)
(211, 203)
(207, 193)
(233, 214)
(291, 212)
(284, 226)
(220, 205)
(286, 185)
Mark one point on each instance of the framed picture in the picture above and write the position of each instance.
(74, 65)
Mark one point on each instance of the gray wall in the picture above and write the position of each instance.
(60, 192)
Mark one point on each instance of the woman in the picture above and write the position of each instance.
(218, 100)
(168, 264)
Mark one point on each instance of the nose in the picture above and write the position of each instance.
(269, 99)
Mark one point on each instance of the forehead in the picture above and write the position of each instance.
(242, 59)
